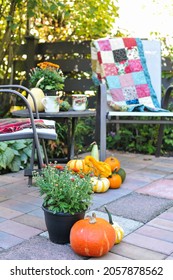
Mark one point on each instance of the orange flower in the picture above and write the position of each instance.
(75, 169)
(46, 64)
(60, 167)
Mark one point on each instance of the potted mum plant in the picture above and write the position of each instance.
(67, 194)
(47, 76)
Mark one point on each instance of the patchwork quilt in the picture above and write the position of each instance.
(121, 64)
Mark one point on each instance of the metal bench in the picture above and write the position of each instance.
(105, 115)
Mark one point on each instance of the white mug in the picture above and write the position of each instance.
(79, 102)
(51, 104)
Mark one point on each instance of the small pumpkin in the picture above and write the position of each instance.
(79, 165)
(118, 229)
(115, 181)
(114, 163)
(39, 95)
(122, 173)
(100, 185)
(92, 237)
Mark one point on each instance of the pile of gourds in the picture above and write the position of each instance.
(104, 174)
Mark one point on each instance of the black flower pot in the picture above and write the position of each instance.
(60, 224)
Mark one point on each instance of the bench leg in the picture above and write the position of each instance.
(159, 140)
(103, 122)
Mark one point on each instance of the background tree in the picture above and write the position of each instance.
(51, 20)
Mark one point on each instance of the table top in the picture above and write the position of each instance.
(62, 114)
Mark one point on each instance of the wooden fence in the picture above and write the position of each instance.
(74, 60)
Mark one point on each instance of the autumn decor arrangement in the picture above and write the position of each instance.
(105, 175)
(66, 196)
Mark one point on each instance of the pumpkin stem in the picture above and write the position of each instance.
(109, 216)
(39, 81)
(92, 219)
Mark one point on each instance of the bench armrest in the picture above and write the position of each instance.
(166, 98)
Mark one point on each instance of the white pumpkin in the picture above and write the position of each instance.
(100, 185)
(39, 95)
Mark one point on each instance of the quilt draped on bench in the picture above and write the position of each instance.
(12, 125)
(121, 64)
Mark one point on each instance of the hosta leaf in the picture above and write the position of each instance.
(3, 146)
(6, 157)
(15, 164)
(20, 144)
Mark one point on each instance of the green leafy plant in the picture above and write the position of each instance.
(63, 190)
(47, 76)
(14, 155)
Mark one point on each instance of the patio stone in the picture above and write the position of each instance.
(18, 205)
(31, 221)
(139, 207)
(136, 252)
(161, 223)
(8, 240)
(149, 243)
(39, 248)
(160, 188)
(9, 213)
(19, 230)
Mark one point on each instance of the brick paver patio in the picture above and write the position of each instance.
(143, 206)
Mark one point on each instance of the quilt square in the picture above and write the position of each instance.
(132, 53)
(119, 55)
(135, 65)
(142, 90)
(126, 80)
(113, 82)
(122, 67)
(117, 95)
(132, 102)
(148, 102)
(104, 45)
(130, 93)
(110, 69)
(107, 57)
(116, 43)
(129, 42)
(139, 78)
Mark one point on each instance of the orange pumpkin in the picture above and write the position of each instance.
(92, 237)
(115, 181)
(114, 163)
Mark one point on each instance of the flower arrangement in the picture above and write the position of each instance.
(47, 76)
(64, 190)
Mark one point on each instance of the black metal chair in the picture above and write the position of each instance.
(37, 134)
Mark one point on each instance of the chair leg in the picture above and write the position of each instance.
(29, 172)
(45, 152)
(159, 140)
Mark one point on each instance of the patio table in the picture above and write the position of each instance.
(70, 116)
